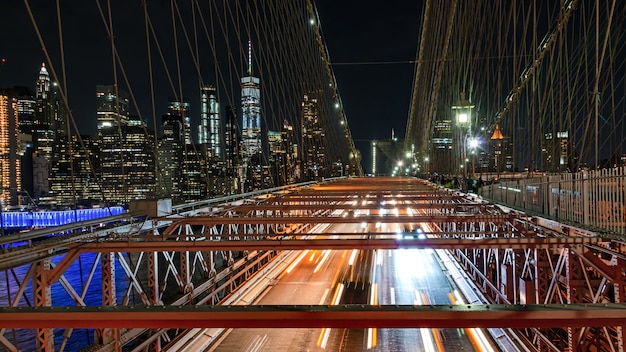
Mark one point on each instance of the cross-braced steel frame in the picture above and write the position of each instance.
(185, 259)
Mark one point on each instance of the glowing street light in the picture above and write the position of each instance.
(463, 110)
(473, 144)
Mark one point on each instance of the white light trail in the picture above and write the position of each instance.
(353, 256)
(325, 255)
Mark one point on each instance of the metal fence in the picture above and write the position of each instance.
(591, 198)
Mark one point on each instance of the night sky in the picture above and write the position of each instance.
(376, 97)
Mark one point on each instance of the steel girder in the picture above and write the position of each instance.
(42, 295)
(161, 278)
(458, 218)
(348, 242)
(572, 275)
(335, 316)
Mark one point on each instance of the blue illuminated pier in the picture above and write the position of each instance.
(40, 219)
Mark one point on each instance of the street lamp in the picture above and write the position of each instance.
(473, 144)
(463, 109)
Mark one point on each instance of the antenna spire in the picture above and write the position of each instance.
(249, 58)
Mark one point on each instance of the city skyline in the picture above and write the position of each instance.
(125, 161)
(90, 38)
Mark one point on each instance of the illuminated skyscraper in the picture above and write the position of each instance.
(127, 162)
(43, 83)
(180, 108)
(203, 129)
(10, 177)
(73, 179)
(27, 110)
(209, 130)
(251, 113)
(47, 129)
(313, 136)
(231, 138)
(49, 123)
(277, 158)
(139, 160)
(557, 152)
(233, 171)
(112, 107)
(171, 156)
(501, 147)
(194, 183)
(291, 152)
(442, 160)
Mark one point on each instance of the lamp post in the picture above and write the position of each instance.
(463, 110)
(473, 144)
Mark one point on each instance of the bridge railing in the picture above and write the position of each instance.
(240, 196)
(595, 199)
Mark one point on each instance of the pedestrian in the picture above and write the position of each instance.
(479, 186)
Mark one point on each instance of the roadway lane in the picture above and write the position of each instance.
(308, 282)
(414, 276)
(408, 276)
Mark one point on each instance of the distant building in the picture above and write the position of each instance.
(27, 115)
(291, 152)
(313, 139)
(10, 169)
(557, 152)
(233, 168)
(277, 158)
(127, 158)
(27, 110)
(209, 132)
(49, 127)
(139, 160)
(74, 179)
(283, 155)
(501, 151)
(480, 155)
(112, 107)
(171, 155)
(232, 138)
(251, 113)
(180, 108)
(41, 184)
(203, 128)
(43, 125)
(443, 158)
(193, 173)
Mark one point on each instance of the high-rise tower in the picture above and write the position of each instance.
(112, 107)
(209, 131)
(231, 137)
(203, 129)
(43, 126)
(171, 156)
(180, 108)
(251, 112)
(10, 178)
(43, 83)
(313, 138)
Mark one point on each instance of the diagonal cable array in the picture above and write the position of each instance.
(550, 74)
(175, 49)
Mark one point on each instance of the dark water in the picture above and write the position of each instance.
(77, 275)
